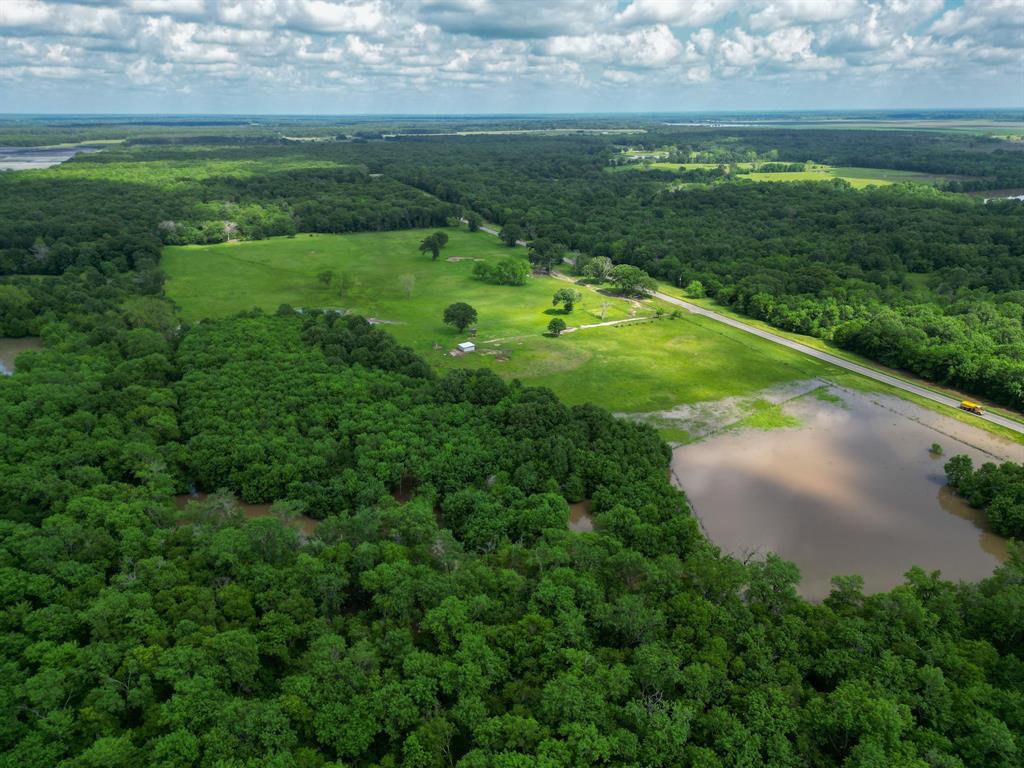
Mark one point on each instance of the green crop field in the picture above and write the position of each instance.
(638, 366)
(857, 177)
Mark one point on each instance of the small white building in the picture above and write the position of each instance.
(467, 346)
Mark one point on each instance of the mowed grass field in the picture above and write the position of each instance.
(644, 365)
(857, 177)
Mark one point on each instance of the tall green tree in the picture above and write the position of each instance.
(459, 315)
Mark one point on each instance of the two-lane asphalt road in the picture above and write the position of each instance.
(870, 373)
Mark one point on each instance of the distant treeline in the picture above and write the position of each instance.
(992, 163)
(124, 207)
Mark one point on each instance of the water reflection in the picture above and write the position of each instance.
(303, 523)
(11, 348)
(854, 490)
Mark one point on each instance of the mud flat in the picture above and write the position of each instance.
(31, 158)
(853, 489)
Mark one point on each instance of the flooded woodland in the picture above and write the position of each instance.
(850, 487)
(11, 348)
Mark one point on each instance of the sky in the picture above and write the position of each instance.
(507, 56)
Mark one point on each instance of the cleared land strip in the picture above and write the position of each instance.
(870, 373)
(892, 381)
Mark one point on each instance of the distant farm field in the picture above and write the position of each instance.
(643, 365)
(857, 177)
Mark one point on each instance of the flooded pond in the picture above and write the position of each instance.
(302, 523)
(11, 348)
(31, 158)
(853, 489)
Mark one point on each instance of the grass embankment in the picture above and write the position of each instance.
(640, 366)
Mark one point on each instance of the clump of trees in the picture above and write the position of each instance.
(511, 234)
(598, 269)
(996, 489)
(632, 281)
(433, 244)
(459, 315)
(508, 271)
(567, 297)
(546, 254)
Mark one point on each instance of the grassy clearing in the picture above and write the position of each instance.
(218, 280)
(639, 366)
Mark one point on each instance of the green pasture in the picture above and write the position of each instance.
(649, 365)
(641, 365)
(857, 177)
(218, 280)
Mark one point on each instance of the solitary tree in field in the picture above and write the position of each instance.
(326, 278)
(598, 269)
(556, 326)
(605, 304)
(434, 243)
(460, 315)
(408, 284)
(567, 297)
(472, 221)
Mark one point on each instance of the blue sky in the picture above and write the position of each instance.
(479, 56)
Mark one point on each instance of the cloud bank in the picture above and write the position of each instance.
(396, 56)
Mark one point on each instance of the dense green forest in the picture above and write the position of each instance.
(998, 489)
(436, 610)
(132, 202)
(466, 625)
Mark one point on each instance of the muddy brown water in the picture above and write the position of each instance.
(11, 348)
(852, 490)
(579, 516)
(303, 523)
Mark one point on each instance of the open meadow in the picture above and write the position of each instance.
(641, 365)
